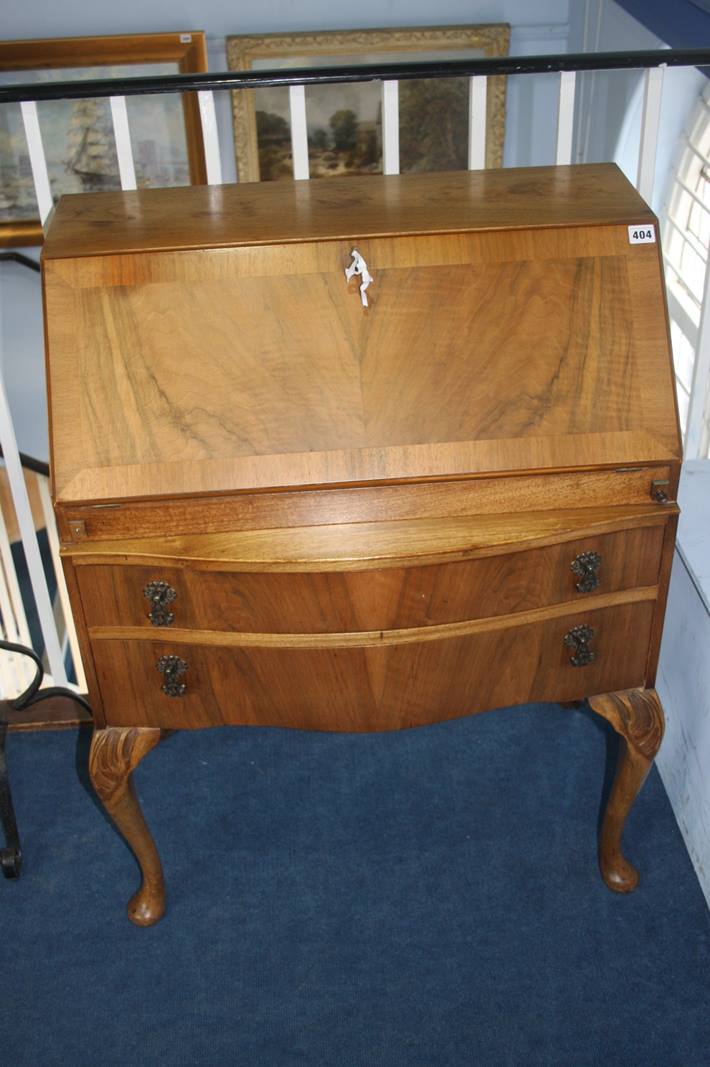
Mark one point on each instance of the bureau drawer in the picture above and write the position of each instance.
(357, 682)
(385, 598)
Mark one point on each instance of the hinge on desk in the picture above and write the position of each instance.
(77, 528)
(658, 493)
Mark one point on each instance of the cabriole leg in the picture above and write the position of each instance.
(637, 716)
(115, 753)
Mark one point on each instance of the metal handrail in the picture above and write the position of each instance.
(18, 257)
(29, 463)
(407, 71)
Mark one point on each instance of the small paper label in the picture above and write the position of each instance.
(185, 38)
(642, 235)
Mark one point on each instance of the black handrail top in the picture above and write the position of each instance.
(18, 257)
(31, 464)
(407, 71)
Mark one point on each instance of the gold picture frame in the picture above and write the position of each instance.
(349, 145)
(108, 56)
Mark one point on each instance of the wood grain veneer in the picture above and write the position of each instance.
(385, 598)
(367, 686)
(560, 493)
(367, 638)
(364, 545)
(306, 387)
(361, 545)
(367, 516)
(222, 216)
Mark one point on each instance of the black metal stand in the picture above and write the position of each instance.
(11, 855)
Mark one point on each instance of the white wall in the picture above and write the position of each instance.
(603, 96)
(684, 673)
(684, 688)
(22, 355)
(609, 103)
(682, 87)
(47, 18)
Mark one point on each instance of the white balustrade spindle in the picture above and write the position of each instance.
(29, 541)
(477, 122)
(565, 117)
(390, 127)
(12, 680)
(38, 161)
(210, 136)
(122, 135)
(299, 132)
(650, 119)
(18, 628)
(14, 619)
(13, 674)
(53, 538)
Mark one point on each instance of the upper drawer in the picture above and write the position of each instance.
(386, 597)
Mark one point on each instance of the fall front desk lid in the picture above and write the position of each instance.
(206, 340)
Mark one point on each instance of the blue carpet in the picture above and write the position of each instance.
(423, 898)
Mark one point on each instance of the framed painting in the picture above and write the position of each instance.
(166, 134)
(344, 121)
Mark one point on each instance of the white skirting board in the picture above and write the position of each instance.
(684, 688)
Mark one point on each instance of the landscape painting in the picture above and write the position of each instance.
(344, 122)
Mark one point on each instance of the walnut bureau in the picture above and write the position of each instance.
(305, 488)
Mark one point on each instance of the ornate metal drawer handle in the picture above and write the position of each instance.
(578, 638)
(160, 595)
(586, 566)
(172, 667)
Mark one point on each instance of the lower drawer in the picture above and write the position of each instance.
(340, 682)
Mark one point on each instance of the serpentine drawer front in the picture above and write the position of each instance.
(362, 454)
(379, 681)
(193, 597)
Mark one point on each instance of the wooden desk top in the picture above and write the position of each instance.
(221, 216)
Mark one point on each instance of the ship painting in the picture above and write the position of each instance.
(91, 147)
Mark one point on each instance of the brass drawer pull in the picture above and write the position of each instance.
(172, 667)
(586, 566)
(578, 638)
(160, 595)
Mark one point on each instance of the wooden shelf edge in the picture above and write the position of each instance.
(54, 713)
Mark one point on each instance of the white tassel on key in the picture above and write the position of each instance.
(359, 267)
